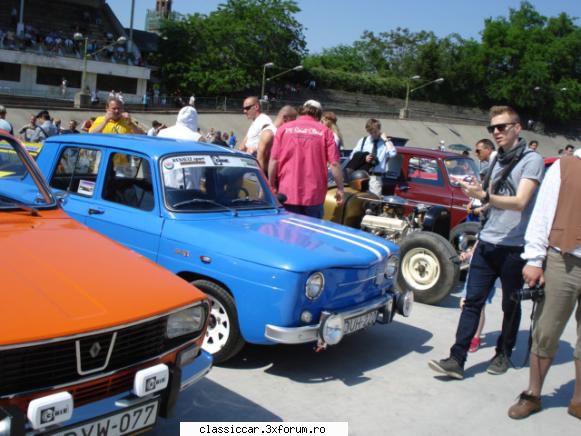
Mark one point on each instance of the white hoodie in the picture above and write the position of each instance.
(185, 128)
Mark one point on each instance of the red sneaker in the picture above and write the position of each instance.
(474, 344)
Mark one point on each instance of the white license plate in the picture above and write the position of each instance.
(360, 322)
(120, 423)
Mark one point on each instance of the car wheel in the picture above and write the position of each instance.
(428, 267)
(223, 339)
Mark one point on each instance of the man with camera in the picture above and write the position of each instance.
(553, 256)
(509, 189)
(372, 154)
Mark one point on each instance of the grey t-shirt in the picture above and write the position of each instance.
(507, 227)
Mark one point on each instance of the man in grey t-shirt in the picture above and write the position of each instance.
(509, 193)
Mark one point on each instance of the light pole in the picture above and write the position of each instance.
(82, 98)
(297, 68)
(264, 67)
(404, 113)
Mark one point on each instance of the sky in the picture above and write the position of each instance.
(329, 23)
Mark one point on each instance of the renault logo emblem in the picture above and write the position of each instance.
(95, 350)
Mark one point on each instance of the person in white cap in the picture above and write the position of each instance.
(300, 154)
(186, 126)
(260, 121)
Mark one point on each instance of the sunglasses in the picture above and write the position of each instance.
(477, 151)
(500, 127)
(247, 108)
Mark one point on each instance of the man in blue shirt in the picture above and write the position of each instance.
(375, 151)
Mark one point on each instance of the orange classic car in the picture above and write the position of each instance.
(94, 338)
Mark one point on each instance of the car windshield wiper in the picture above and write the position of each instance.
(252, 201)
(205, 200)
(12, 203)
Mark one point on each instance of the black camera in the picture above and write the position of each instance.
(535, 294)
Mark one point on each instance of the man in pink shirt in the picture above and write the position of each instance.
(298, 162)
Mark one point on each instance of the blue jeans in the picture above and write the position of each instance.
(314, 211)
(490, 262)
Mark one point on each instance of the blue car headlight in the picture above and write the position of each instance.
(391, 266)
(315, 285)
(185, 321)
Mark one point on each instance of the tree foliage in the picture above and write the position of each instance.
(524, 59)
(224, 52)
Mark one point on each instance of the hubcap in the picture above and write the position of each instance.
(218, 327)
(420, 268)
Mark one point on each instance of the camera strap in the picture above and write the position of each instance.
(531, 328)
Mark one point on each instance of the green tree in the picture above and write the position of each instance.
(224, 52)
(534, 63)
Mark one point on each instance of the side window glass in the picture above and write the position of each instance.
(129, 181)
(425, 171)
(76, 171)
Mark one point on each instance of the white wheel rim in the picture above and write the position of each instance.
(420, 268)
(218, 328)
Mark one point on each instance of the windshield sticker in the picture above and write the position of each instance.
(180, 162)
(86, 187)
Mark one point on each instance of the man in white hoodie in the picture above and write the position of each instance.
(186, 126)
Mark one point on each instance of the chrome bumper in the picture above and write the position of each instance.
(310, 333)
(196, 370)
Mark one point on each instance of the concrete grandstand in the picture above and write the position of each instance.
(43, 43)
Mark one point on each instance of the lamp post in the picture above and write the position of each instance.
(404, 113)
(264, 67)
(297, 68)
(82, 98)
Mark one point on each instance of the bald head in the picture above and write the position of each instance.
(251, 107)
(285, 114)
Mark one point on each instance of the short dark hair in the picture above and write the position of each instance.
(372, 123)
(569, 147)
(533, 142)
(487, 143)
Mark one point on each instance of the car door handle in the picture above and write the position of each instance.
(96, 211)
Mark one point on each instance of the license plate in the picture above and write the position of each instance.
(360, 322)
(119, 423)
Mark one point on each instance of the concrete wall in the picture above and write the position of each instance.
(30, 62)
(422, 134)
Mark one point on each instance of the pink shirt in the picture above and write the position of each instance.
(302, 149)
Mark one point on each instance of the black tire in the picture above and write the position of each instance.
(468, 229)
(428, 268)
(222, 347)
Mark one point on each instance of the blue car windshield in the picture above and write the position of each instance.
(212, 183)
(17, 189)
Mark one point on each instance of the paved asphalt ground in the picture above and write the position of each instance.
(379, 381)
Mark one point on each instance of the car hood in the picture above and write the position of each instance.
(285, 241)
(59, 279)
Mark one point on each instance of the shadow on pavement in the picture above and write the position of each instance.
(564, 355)
(348, 361)
(207, 401)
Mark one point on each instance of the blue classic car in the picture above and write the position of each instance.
(206, 213)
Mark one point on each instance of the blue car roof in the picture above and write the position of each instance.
(150, 145)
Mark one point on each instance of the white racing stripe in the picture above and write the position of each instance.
(343, 232)
(313, 227)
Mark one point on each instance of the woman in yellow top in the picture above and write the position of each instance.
(115, 120)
